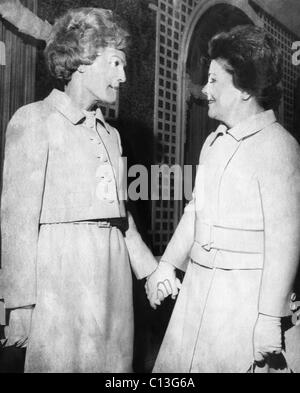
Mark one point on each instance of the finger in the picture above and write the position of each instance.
(173, 287)
(147, 286)
(22, 342)
(178, 283)
(162, 288)
(160, 295)
(152, 304)
(154, 301)
(168, 287)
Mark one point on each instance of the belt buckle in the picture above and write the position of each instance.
(103, 224)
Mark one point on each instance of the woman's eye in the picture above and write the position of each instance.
(211, 80)
(116, 63)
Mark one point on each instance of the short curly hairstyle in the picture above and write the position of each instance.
(77, 37)
(254, 61)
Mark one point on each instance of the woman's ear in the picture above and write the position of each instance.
(81, 68)
(246, 96)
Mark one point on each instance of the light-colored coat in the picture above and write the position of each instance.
(62, 166)
(241, 232)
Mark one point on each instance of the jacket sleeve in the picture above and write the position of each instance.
(182, 240)
(23, 183)
(142, 261)
(279, 183)
(179, 247)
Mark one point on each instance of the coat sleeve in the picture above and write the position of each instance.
(279, 183)
(179, 247)
(142, 261)
(25, 161)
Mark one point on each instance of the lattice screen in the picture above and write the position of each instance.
(291, 73)
(171, 22)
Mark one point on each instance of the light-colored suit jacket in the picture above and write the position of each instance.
(245, 213)
(61, 165)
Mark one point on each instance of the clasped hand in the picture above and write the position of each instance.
(162, 283)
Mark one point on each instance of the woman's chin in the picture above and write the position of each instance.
(212, 114)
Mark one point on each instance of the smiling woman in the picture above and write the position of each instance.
(68, 244)
(103, 77)
(241, 231)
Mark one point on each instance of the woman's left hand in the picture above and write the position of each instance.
(162, 283)
(18, 329)
(267, 337)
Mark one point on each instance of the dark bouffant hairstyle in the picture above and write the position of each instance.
(254, 61)
(77, 37)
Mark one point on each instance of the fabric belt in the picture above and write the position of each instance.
(229, 239)
(119, 222)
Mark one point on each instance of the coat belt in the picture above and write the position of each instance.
(219, 237)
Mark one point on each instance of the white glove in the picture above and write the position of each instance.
(267, 337)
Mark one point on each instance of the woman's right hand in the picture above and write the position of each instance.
(162, 283)
(267, 337)
(18, 328)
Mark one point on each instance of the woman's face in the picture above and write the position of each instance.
(224, 99)
(102, 78)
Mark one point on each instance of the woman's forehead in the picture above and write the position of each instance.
(218, 67)
(113, 52)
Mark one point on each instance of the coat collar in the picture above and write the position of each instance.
(248, 127)
(252, 125)
(63, 103)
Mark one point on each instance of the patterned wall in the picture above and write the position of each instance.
(291, 73)
(171, 22)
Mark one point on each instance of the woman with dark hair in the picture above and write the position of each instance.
(68, 245)
(241, 230)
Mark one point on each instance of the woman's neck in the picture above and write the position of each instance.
(78, 93)
(251, 108)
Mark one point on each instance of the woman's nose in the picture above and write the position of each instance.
(204, 90)
(122, 76)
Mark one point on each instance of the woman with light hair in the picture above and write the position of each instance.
(68, 244)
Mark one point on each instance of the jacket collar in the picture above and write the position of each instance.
(248, 127)
(252, 125)
(63, 104)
